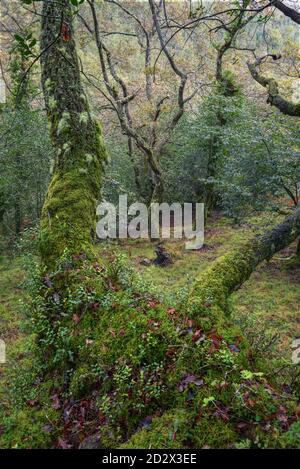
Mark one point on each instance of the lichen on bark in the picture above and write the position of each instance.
(69, 213)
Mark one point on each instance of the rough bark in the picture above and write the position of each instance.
(287, 11)
(69, 212)
(298, 249)
(274, 98)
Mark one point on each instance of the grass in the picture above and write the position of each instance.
(11, 292)
(272, 295)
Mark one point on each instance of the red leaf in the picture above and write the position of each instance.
(76, 318)
(197, 335)
(65, 32)
(63, 444)
(56, 402)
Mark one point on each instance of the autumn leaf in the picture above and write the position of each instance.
(197, 335)
(76, 318)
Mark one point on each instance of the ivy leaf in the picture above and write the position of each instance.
(76, 2)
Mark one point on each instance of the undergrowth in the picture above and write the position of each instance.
(109, 356)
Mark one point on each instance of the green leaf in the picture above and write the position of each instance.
(76, 2)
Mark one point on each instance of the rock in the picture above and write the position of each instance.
(145, 261)
(91, 442)
(163, 258)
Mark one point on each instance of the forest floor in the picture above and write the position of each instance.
(269, 302)
(11, 325)
(270, 298)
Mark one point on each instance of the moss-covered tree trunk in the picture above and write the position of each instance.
(69, 212)
(213, 287)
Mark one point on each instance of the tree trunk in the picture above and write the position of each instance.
(135, 166)
(230, 271)
(209, 192)
(18, 196)
(156, 182)
(18, 217)
(2, 202)
(69, 212)
(157, 188)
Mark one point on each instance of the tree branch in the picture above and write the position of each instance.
(287, 11)
(271, 85)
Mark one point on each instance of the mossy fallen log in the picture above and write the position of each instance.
(207, 306)
(157, 376)
(211, 288)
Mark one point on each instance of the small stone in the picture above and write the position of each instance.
(145, 261)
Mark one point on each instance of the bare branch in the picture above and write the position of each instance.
(287, 11)
(271, 85)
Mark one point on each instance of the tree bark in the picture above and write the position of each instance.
(230, 271)
(69, 212)
(274, 98)
(287, 11)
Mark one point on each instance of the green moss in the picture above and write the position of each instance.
(22, 426)
(83, 171)
(213, 432)
(68, 216)
(169, 431)
(83, 381)
(84, 118)
(89, 158)
(52, 103)
(69, 212)
(291, 439)
(48, 84)
(176, 430)
(126, 352)
(64, 123)
(29, 428)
